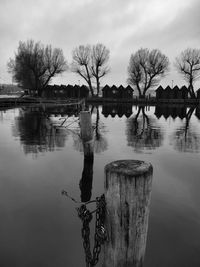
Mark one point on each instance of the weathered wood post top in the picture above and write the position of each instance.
(130, 168)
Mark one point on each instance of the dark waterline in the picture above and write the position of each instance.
(39, 159)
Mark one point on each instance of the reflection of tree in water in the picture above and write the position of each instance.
(186, 138)
(100, 142)
(142, 131)
(36, 131)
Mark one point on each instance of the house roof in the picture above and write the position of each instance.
(159, 88)
(114, 87)
(106, 87)
(129, 88)
(84, 87)
(184, 88)
(175, 88)
(168, 88)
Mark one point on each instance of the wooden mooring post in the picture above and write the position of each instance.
(87, 133)
(128, 185)
(88, 148)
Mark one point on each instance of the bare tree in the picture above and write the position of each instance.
(91, 63)
(35, 64)
(146, 68)
(81, 64)
(99, 68)
(188, 64)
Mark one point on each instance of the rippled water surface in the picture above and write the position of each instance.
(41, 154)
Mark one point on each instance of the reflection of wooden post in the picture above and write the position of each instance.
(127, 192)
(86, 179)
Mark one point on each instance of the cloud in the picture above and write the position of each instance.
(123, 26)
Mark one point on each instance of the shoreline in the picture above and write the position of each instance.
(17, 101)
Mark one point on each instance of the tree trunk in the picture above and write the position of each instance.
(191, 91)
(98, 86)
(128, 185)
(89, 81)
(91, 88)
(143, 95)
(139, 90)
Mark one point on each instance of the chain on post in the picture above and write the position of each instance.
(100, 233)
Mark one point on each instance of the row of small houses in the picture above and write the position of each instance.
(77, 91)
(172, 93)
(68, 91)
(115, 92)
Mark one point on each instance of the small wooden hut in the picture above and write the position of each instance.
(176, 93)
(110, 92)
(184, 92)
(105, 91)
(128, 92)
(63, 91)
(159, 92)
(168, 93)
(117, 92)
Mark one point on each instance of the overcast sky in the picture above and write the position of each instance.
(123, 26)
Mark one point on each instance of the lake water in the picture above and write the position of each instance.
(41, 154)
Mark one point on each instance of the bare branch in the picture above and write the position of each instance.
(188, 65)
(99, 59)
(91, 62)
(146, 68)
(34, 65)
(81, 64)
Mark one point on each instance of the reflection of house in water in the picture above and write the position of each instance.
(197, 113)
(170, 111)
(169, 93)
(70, 110)
(198, 93)
(68, 91)
(117, 92)
(117, 109)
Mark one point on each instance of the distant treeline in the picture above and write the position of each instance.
(34, 65)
